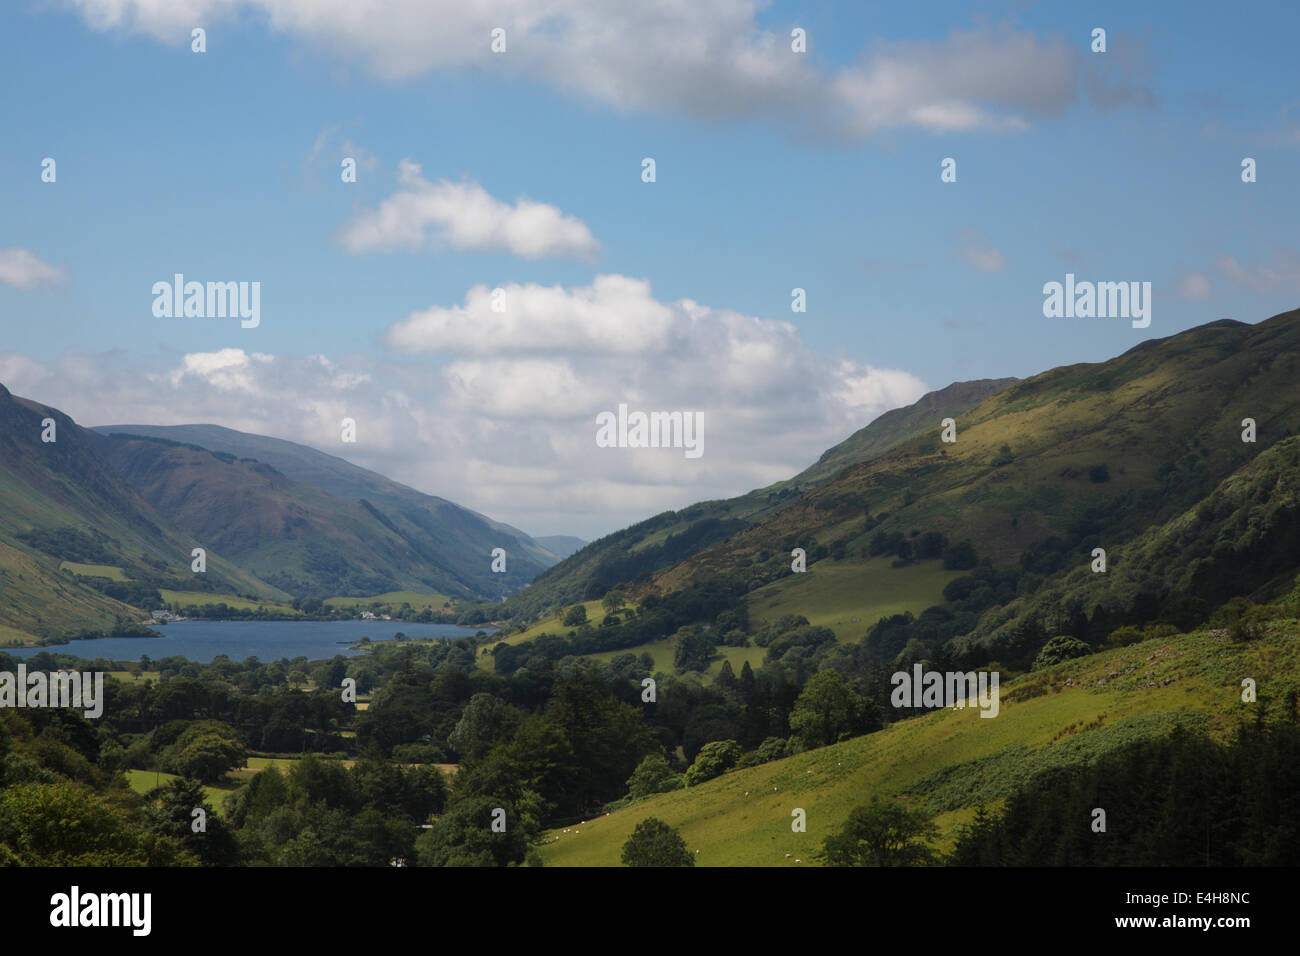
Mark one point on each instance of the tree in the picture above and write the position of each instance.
(174, 817)
(652, 775)
(713, 760)
(575, 616)
(1061, 648)
(828, 710)
(655, 843)
(464, 836)
(882, 834)
(205, 751)
(613, 600)
(693, 651)
(479, 725)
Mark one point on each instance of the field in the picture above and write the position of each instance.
(142, 781)
(129, 677)
(849, 596)
(953, 759)
(846, 596)
(418, 600)
(201, 598)
(12, 637)
(94, 570)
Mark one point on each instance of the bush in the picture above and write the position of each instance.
(655, 843)
(1059, 649)
(713, 760)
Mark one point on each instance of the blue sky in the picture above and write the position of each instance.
(818, 171)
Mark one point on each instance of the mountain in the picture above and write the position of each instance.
(69, 524)
(1081, 457)
(315, 523)
(898, 425)
(670, 537)
(561, 545)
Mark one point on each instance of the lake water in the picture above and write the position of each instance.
(267, 640)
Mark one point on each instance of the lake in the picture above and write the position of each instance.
(267, 640)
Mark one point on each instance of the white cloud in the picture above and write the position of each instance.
(707, 59)
(465, 217)
(508, 428)
(615, 314)
(25, 270)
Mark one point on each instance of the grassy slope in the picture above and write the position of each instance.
(851, 595)
(953, 759)
(1171, 401)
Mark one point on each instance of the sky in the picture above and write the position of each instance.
(522, 169)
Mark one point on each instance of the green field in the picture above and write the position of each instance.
(417, 599)
(12, 637)
(200, 598)
(94, 570)
(129, 677)
(953, 759)
(835, 593)
(142, 781)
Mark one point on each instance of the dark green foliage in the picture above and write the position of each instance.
(713, 760)
(652, 775)
(1061, 648)
(655, 843)
(886, 833)
(828, 710)
(1184, 800)
(694, 650)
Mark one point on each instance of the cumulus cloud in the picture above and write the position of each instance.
(24, 270)
(464, 216)
(707, 59)
(615, 314)
(507, 426)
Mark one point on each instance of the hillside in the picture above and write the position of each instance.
(59, 503)
(674, 536)
(951, 761)
(449, 547)
(1041, 473)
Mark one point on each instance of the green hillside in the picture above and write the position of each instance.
(448, 547)
(952, 760)
(1040, 474)
(290, 534)
(78, 547)
(674, 536)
